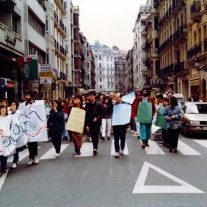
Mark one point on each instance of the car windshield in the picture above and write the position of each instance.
(195, 108)
(202, 108)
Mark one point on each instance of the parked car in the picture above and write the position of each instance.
(194, 118)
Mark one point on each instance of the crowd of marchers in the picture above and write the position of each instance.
(162, 110)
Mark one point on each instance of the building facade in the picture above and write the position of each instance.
(172, 30)
(11, 48)
(120, 67)
(139, 48)
(197, 47)
(105, 67)
(129, 80)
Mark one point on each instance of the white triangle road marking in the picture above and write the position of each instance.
(2, 179)
(50, 154)
(185, 149)
(182, 187)
(201, 142)
(126, 150)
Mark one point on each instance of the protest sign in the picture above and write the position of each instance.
(129, 98)
(121, 114)
(76, 120)
(144, 114)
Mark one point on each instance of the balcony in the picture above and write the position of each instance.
(205, 6)
(7, 5)
(195, 10)
(167, 71)
(177, 5)
(180, 67)
(197, 49)
(61, 5)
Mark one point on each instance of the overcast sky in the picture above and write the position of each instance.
(109, 21)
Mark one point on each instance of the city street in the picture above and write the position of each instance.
(146, 178)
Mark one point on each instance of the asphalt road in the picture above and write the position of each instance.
(151, 178)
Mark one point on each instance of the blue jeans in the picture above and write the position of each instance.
(145, 131)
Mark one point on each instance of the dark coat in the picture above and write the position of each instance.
(94, 111)
(56, 121)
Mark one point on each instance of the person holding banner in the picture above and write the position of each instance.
(56, 125)
(4, 132)
(77, 137)
(13, 111)
(32, 146)
(120, 119)
(94, 114)
(146, 110)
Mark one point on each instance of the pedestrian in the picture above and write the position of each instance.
(65, 109)
(146, 110)
(56, 125)
(32, 146)
(13, 111)
(106, 121)
(94, 114)
(161, 122)
(4, 132)
(77, 137)
(119, 132)
(133, 123)
(173, 115)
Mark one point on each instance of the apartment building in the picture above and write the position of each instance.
(11, 48)
(172, 30)
(197, 47)
(140, 69)
(105, 67)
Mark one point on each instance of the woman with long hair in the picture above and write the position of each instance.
(56, 125)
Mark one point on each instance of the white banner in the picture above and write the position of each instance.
(28, 124)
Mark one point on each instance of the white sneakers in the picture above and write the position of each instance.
(57, 154)
(35, 161)
(117, 155)
(14, 166)
(30, 162)
(121, 152)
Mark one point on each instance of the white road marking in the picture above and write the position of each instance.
(51, 153)
(126, 151)
(3, 178)
(153, 149)
(182, 187)
(201, 142)
(86, 150)
(185, 149)
(22, 155)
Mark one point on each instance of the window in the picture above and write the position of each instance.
(99, 65)
(99, 57)
(100, 79)
(100, 86)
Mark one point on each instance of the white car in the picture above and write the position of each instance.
(194, 118)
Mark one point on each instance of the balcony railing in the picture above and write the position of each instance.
(195, 10)
(167, 70)
(194, 51)
(205, 5)
(7, 5)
